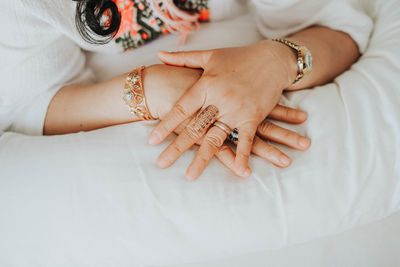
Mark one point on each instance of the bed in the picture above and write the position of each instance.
(97, 199)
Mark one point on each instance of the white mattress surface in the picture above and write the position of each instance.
(97, 199)
(373, 245)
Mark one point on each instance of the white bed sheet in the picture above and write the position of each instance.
(373, 245)
(97, 199)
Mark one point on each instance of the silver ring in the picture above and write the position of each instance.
(234, 135)
(223, 127)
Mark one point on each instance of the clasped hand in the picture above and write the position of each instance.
(244, 84)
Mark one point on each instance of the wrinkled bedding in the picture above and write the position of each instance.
(97, 198)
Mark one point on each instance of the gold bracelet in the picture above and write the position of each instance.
(134, 95)
(304, 57)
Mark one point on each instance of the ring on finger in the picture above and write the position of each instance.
(223, 126)
(199, 125)
(234, 135)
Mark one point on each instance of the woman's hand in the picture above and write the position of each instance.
(164, 85)
(244, 83)
(268, 131)
(261, 146)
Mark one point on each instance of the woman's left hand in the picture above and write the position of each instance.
(243, 83)
(262, 147)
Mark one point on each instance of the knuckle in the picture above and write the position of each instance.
(223, 149)
(293, 137)
(256, 141)
(226, 159)
(180, 111)
(257, 144)
(191, 134)
(244, 155)
(272, 154)
(214, 140)
(162, 128)
(207, 81)
(287, 113)
(258, 110)
(270, 150)
(201, 161)
(249, 139)
(230, 163)
(177, 149)
(265, 127)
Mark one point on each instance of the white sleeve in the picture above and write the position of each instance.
(226, 9)
(37, 60)
(284, 17)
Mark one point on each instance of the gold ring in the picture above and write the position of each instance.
(223, 126)
(199, 125)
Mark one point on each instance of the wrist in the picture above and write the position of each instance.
(286, 62)
(164, 85)
(134, 95)
(148, 87)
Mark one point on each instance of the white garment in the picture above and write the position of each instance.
(41, 50)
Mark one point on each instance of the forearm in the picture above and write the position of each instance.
(86, 107)
(333, 52)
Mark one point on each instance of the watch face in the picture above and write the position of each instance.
(308, 59)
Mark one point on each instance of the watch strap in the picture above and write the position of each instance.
(296, 47)
(288, 43)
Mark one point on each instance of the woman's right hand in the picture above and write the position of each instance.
(164, 85)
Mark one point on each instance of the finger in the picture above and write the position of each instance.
(246, 136)
(291, 115)
(188, 137)
(186, 106)
(191, 59)
(270, 131)
(226, 156)
(270, 153)
(213, 140)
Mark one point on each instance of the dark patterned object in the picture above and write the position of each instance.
(234, 135)
(139, 25)
(192, 5)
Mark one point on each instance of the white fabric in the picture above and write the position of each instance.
(97, 199)
(275, 20)
(41, 48)
(371, 245)
(226, 9)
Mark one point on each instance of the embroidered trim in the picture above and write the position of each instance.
(140, 24)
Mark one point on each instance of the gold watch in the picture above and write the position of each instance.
(304, 57)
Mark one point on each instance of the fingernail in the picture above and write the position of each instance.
(302, 115)
(247, 173)
(304, 142)
(190, 176)
(162, 162)
(154, 138)
(241, 170)
(284, 160)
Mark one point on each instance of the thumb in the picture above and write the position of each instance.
(191, 59)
